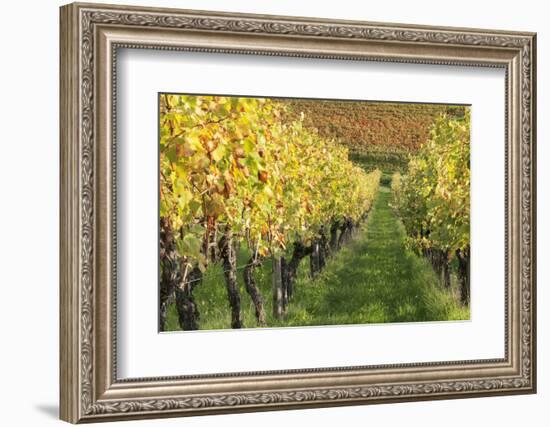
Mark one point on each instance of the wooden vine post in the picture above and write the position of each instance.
(277, 283)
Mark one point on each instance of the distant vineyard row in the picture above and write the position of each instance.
(378, 130)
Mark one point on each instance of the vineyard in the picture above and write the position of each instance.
(433, 200)
(279, 212)
(378, 134)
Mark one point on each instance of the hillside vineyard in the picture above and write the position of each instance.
(288, 202)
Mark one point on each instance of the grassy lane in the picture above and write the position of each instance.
(374, 279)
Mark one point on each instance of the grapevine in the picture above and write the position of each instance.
(433, 199)
(234, 173)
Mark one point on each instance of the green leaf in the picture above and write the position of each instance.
(219, 152)
(189, 246)
(171, 154)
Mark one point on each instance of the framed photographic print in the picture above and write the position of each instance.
(265, 212)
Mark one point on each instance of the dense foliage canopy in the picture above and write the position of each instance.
(433, 198)
(232, 162)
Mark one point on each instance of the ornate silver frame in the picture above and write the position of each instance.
(90, 36)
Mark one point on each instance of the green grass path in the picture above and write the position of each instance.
(374, 279)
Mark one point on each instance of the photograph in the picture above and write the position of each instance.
(295, 212)
(271, 208)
